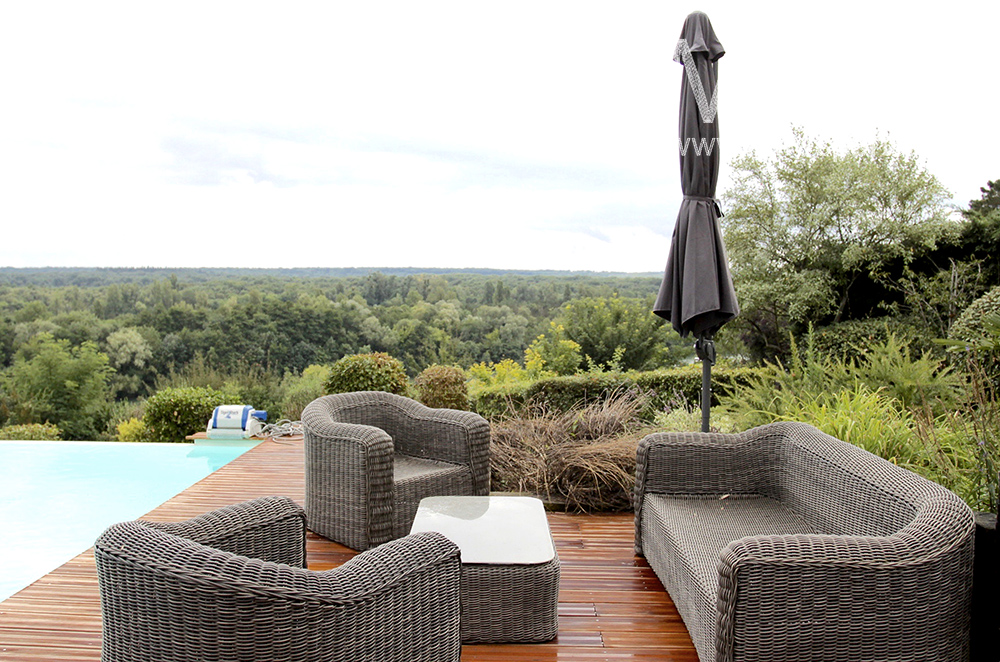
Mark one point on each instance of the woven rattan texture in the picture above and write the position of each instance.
(510, 603)
(352, 443)
(165, 597)
(823, 551)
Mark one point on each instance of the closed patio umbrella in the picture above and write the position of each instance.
(697, 294)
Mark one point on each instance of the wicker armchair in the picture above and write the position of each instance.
(371, 457)
(231, 585)
(783, 543)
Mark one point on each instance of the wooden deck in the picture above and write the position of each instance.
(611, 605)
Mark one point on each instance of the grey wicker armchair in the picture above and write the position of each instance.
(370, 458)
(231, 585)
(783, 543)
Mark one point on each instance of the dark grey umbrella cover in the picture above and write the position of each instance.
(697, 294)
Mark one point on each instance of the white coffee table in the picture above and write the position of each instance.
(510, 570)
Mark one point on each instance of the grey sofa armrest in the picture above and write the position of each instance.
(269, 528)
(905, 596)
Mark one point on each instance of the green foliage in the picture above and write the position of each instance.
(661, 389)
(609, 326)
(31, 432)
(566, 393)
(245, 384)
(132, 430)
(775, 392)
(918, 413)
(970, 326)
(853, 338)
(925, 382)
(302, 389)
(813, 233)
(368, 372)
(130, 354)
(442, 386)
(174, 413)
(553, 353)
(51, 381)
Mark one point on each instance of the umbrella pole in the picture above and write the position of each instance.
(705, 349)
(706, 392)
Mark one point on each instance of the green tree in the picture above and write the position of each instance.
(51, 381)
(813, 232)
(606, 325)
(130, 355)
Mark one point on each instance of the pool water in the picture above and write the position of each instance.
(56, 497)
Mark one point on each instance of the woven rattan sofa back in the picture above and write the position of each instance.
(838, 488)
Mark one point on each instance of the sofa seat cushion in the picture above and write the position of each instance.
(682, 540)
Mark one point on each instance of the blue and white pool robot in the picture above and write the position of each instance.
(235, 422)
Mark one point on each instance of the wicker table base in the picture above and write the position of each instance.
(510, 570)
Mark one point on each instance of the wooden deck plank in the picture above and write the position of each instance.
(611, 606)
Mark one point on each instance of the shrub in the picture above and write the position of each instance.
(246, 384)
(132, 430)
(970, 324)
(852, 339)
(553, 353)
(120, 412)
(583, 458)
(660, 388)
(174, 413)
(368, 372)
(31, 432)
(302, 389)
(443, 386)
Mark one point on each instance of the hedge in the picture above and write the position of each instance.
(665, 387)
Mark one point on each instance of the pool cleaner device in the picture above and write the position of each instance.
(235, 422)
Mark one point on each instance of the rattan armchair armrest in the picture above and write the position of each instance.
(268, 528)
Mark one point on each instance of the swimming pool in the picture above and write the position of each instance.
(56, 497)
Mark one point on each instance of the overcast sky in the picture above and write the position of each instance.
(518, 135)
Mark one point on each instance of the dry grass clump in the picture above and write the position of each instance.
(583, 459)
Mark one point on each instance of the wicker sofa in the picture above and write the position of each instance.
(232, 585)
(783, 543)
(371, 456)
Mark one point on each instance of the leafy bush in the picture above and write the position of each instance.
(851, 339)
(368, 372)
(120, 412)
(553, 353)
(174, 413)
(132, 430)
(302, 389)
(443, 386)
(31, 432)
(923, 382)
(970, 324)
(246, 384)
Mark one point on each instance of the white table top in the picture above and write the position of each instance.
(500, 530)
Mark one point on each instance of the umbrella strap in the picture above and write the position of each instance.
(705, 198)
